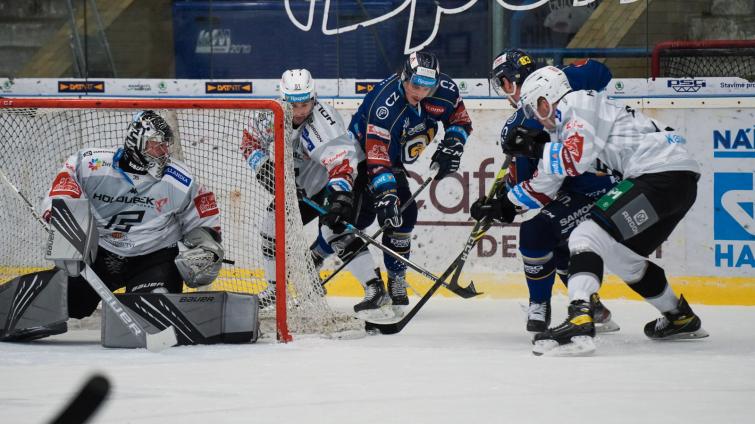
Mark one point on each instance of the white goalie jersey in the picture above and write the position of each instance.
(591, 127)
(324, 151)
(135, 214)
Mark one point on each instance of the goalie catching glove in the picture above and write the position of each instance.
(525, 141)
(200, 264)
(496, 208)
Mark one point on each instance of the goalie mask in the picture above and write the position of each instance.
(514, 66)
(297, 87)
(148, 142)
(548, 83)
(422, 69)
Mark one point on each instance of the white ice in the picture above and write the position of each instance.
(459, 361)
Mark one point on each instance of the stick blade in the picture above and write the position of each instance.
(464, 292)
(160, 341)
(392, 328)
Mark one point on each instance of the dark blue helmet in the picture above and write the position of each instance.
(512, 64)
(421, 68)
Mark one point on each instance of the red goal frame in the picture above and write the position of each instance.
(655, 68)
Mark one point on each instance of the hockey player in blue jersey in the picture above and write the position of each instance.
(394, 125)
(543, 238)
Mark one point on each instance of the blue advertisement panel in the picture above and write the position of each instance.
(367, 39)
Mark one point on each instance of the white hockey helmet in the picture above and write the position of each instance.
(547, 82)
(297, 85)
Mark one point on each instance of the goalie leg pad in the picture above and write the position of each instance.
(33, 306)
(198, 318)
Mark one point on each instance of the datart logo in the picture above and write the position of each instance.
(364, 87)
(734, 219)
(81, 86)
(686, 86)
(228, 87)
(734, 143)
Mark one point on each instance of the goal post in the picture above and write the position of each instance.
(704, 58)
(37, 135)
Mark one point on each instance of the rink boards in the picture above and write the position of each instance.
(711, 255)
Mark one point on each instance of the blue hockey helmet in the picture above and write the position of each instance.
(514, 65)
(421, 68)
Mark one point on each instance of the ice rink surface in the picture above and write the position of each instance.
(459, 361)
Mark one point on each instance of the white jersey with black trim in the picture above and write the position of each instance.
(591, 126)
(135, 214)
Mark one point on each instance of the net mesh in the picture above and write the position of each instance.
(36, 142)
(708, 61)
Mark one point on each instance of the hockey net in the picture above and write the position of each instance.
(710, 58)
(39, 135)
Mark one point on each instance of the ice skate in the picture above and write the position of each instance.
(399, 298)
(538, 316)
(602, 316)
(682, 324)
(572, 338)
(376, 304)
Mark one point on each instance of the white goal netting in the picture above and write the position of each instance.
(34, 143)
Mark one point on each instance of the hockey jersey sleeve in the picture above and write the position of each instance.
(329, 144)
(581, 136)
(256, 139)
(201, 211)
(587, 74)
(455, 117)
(536, 192)
(66, 184)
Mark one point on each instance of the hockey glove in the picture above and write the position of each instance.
(387, 210)
(525, 142)
(266, 176)
(448, 155)
(340, 206)
(498, 208)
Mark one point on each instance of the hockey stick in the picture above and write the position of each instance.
(477, 232)
(85, 403)
(466, 293)
(154, 342)
(378, 232)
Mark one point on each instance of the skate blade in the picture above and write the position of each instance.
(698, 334)
(579, 346)
(606, 327)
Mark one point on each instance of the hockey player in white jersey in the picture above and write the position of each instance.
(626, 224)
(326, 161)
(144, 202)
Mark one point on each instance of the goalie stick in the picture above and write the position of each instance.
(154, 342)
(478, 231)
(378, 232)
(465, 292)
(85, 403)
